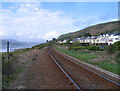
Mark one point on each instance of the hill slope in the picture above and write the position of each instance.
(109, 27)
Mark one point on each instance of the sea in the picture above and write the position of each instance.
(12, 48)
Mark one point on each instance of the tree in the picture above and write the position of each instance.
(54, 40)
(101, 33)
(47, 41)
(87, 34)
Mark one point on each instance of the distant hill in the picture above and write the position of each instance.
(15, 42)
(109, 27)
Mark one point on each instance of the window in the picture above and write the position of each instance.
(111, 40)
(116, 38)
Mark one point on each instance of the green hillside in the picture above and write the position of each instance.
(109, 27)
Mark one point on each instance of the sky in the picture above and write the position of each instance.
(41, 21)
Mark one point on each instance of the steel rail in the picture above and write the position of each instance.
(78, 88)
(90, 70)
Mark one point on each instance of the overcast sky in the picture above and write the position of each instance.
(33, 21)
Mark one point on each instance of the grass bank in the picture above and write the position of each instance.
(92, 58)
(15, 66)
(17, 63)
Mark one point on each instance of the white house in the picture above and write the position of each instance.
(76, 40)
(92, 39)
(60, 42)
(102, 39)
(63, 41)
(83, 40)
(114, 38)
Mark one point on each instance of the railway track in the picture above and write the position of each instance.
(67, 76)
(80, 76)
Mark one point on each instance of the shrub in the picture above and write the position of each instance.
(84, 44)
(102, 48)
(76, 44)
(117, 58)
(93, 48)
(3, 58)
(116, 46)
(110, 49)
(78, 48)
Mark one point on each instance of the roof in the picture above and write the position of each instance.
(94, 37)
(116, 34)
(83, 38)
(75, 39)
(113, 34)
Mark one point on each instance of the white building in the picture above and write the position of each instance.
(92, 39)
(75, 40)
(101, 39)
(62, 41)
(114, 38)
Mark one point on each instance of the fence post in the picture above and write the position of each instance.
(8, 59)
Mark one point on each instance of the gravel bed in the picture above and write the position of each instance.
(43, 73)
(84, 78)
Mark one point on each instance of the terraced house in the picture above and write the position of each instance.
(105, 39)
(114, 38)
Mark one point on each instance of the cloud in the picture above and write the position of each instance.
(29, 21)
(113, 20)
(35, 22)
(51, 34)
(3, 34)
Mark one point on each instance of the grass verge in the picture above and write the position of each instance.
(7, 80)
(87, 56)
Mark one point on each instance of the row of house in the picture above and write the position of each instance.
(107, 39)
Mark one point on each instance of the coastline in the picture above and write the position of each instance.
(14, 48)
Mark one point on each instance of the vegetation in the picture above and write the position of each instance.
(82, 55)
(117, 58)
(9, 74)
(87, 53)
(85, 46)
(15, 67)
(77, 46)
(114, 47)
(87, 34)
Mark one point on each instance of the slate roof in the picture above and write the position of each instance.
(112, 34)
(83, 38)
(75, 39)
(94, 37)
(116, 34)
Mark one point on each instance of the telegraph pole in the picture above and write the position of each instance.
(8, 59)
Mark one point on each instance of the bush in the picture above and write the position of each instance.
(116, 46)
(102, 48)
(93, 48)
(75, 44)
(78, 48)
(117, 57)
(84, 44)
(110, 49)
